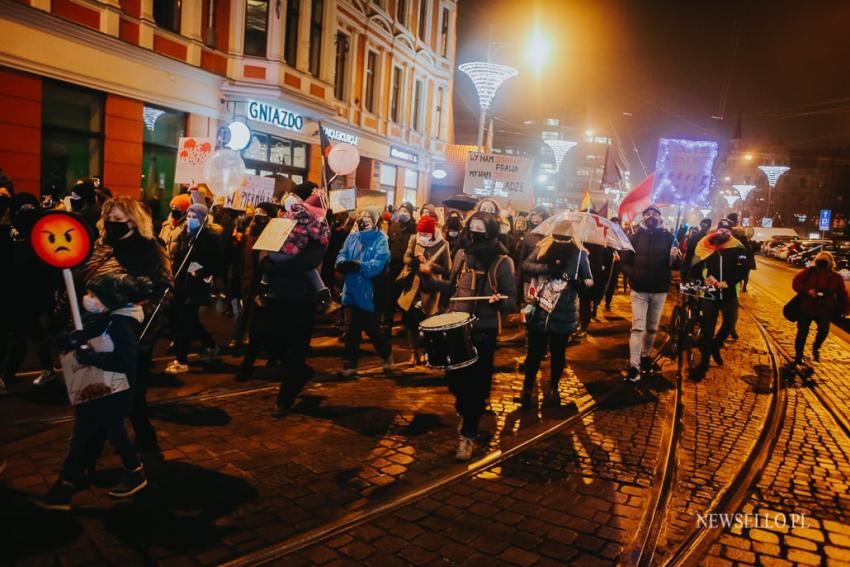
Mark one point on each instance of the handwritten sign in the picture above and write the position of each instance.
(343, 199)
(274, 235)
(683, 172)
(192, 154)
(254, 191)
(507, 178)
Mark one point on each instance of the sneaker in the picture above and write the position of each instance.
(607, 307)
(465, 448)
(580, 334)
(698, 372)
(131, 482)
(174, 367)
(57, 498)
(46, 377)
(209, 354)
(323, 295)
(715, 355)
(734, 335)
(633, 374)
(348, 372)
(649, 366)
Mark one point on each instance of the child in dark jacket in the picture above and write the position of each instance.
(109, 342)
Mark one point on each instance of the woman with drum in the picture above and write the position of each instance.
(559, 267)
(427, 256)
(482, 279)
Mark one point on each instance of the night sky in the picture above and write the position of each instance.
(783, 65)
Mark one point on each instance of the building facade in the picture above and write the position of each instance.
(108, 87)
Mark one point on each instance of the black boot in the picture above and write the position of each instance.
(715, 354)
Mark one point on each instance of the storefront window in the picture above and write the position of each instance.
(162, 131)
(72, 135)
(411, 183)
(388, 176)
(258, 148)
(269, 155)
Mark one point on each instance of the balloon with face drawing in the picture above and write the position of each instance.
(61, 240)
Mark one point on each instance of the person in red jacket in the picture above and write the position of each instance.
(823, 296)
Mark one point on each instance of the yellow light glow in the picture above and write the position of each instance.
(748, 157)
(588, 133)
(537, 51)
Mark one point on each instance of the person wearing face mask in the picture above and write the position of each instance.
(399, 237)
(452, 231)
(719, 260)
(482, 268)
(127, 245)
(527, 244)
(559, 264)
(84, 201)
(176, 221)
(197, 250)
(823, 297)
(108, 341)
(614, 277)
(649, 269)
(427, 257)
(428, 209)
(362, 258)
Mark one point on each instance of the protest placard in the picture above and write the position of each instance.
(342, 200)
(683, 172)
(274, 235)
(504, 178)
(254, 191)
(192, 153)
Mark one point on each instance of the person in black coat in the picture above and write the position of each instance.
(398, 237)
(198, 252)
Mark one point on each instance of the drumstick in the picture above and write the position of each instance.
(476, 298)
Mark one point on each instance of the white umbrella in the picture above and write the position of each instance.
(586, 228)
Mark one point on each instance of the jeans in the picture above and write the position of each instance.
(803, 324)
(90, 418)
(359, 321)
(288, 328)
(187, 328)
(728, 305)
(646, 315)
(471, 385)
(537, 343)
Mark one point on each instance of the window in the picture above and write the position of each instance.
(417, 106)
(395, 100)
(444, 33)
(256, 27)
(342, 46)
(438, 130)
(270, 155)
(290, 46)
(71, 137)
(552, 122)
(316, 20)
(423, 19)
(388, 177)
(371, 72)
(548, 135)
(162, 130)
(401, 12)
(166, 14)
(411, 183)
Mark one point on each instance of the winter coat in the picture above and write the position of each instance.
(399, 237)
(649, 266)
(470, 277)
(285, 277)
(726, 265)
(195, 289)
(423, 286)
(307, 227)
(370, 248)
(169, 234)
(562, 317)
(601, 258)
(123, 327)
(832, 303)
(742, 238)
(689, 248)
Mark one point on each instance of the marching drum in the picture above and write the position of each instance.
(448, 340)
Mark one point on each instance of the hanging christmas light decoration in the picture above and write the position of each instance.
(560, 149)
(149, 115)
(743, 190)
(705, 212)
(773, 173)
(487, 78)
(730, 199)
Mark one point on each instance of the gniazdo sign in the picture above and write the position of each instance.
(275, 116)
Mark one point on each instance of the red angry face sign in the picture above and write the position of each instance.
(61, 240)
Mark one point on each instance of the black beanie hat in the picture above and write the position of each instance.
(304, 190)
(116, 290)
(269, 208)
(725, 223)
(85, 190)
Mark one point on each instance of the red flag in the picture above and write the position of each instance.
(603, 210)
(637, 199)
(611, 174)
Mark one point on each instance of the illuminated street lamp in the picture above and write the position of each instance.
(560, 149)
(743, 190)
(705, 212)
(730, 199)
(487, 78)
(773, 173)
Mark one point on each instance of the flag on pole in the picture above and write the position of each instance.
(586, 202)
(637, 199)
(603, 210)
(611, 174)
(327, 174)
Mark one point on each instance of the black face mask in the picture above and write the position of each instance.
(177, 214)
(363, 225)
(23, 220)
(651, 223)
(822, 264)
(77, 204)
(479, 237)
(719, 238)
(115, 231)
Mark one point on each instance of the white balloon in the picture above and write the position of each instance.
(224, 172)
(343, 158)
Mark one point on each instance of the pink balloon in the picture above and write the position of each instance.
(343, 158)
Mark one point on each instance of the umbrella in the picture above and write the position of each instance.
(587, 228)
(461, 202)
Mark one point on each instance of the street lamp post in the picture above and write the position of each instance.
(487, 78)
(744, 191)
(773, 173)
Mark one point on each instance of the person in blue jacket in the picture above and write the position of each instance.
(363, 257)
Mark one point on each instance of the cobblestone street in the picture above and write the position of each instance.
(363, 471)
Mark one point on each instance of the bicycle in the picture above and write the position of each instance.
(686, 323)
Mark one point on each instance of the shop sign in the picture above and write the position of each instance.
(402, 154)
(341, 136)
(274, 115)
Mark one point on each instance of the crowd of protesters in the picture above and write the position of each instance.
(147, 280)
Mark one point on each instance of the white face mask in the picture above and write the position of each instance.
(488, 207)
(93, 304)
(425, 239)
(289, 201)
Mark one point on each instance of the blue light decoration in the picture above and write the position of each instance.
(683, 172)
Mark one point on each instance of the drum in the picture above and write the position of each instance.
(448, 340)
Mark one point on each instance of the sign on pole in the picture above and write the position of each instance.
(342, 200)
(767, 222)
(683, 171)
(254, 191)
(192, 154)
(501, 177)
(825, 219)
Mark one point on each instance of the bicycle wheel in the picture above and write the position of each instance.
(693, 340)
(677, 326)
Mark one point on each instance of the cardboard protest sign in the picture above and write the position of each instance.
(192, 153)
(254, 191)
(343, 200)
(683, 171)
(274, 235)
(508, 179)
